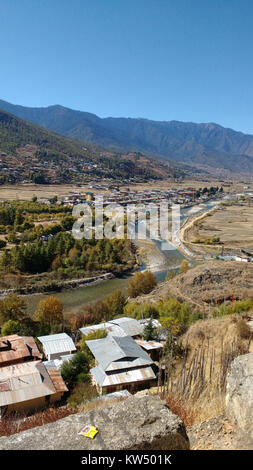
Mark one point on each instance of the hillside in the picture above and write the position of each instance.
(32, 153)
(207, 284)
(207, 146)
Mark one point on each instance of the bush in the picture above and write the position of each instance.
(82, 392)
(75, 370)
(138, 311)
(141, 283)
(3, 244)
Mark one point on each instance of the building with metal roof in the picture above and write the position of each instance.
(57, 363)
(121, 363)
(29, 386)
(15, 349)
(55, 346)
(130, 326)
(118, 327)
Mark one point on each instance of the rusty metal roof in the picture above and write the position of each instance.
(27, 381)
(57, 380)
(122, 377)
(14, 348)
(149, 345)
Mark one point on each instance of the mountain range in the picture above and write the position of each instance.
(29, 152)
(204, 146)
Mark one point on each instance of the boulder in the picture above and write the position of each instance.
(239, 393)
(137, 423)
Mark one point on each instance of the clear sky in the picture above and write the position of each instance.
(189, 60)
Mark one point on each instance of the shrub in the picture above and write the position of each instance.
(82, 392)
(141, 283)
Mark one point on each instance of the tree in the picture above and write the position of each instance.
(116, 303)
(141, 310)
(150, 332)
(10, 327)
(141, 283)
(82, 392)
(49, 311)
(12, 307)
(184, 266)
(75, 369)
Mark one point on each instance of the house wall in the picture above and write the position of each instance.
(50, 357)
(25, 406)
(131, 387)
(33, 405)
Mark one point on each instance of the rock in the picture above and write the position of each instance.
(239, 396)
(137, 423)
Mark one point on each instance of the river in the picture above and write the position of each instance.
(74, 300)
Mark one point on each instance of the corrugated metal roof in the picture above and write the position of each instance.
(111, 349)
(149, 345)
(124, 377)
(123, 326)
(57, 380)
(111, 329)
(15, 347)
(26, 381)
(56, 344)
(57, 363)
(130, 326)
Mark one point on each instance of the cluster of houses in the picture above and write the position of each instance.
(26, 381)
(31, 379)
(123, 359)
(125, 196)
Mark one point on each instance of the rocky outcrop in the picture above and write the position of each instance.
(137, 423)
(239, 397)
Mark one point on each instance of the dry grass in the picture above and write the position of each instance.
(18, 422)
(21, 422)
(195, 386)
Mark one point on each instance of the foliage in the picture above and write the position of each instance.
(238, 306)
(150, 332)
(10, 327)
(176, 315)
(49, 312)
(141, 283)
(184, 266)
(142, 310)
(75, 369)
(12, 307)
(82, 392)
(115, 303)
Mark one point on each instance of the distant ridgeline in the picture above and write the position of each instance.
(30, 153)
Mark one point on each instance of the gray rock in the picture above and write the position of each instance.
(137, 423)
(239, 396)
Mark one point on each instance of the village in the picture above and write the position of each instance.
(30, 368)
(125, 196)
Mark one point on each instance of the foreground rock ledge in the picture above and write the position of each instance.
(138, 423)
(239, 398)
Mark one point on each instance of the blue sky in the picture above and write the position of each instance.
(189, 60)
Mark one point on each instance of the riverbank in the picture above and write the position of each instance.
(57, 286)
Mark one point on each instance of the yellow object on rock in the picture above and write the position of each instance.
(92, 432)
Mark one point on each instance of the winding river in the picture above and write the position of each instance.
(74, 299)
